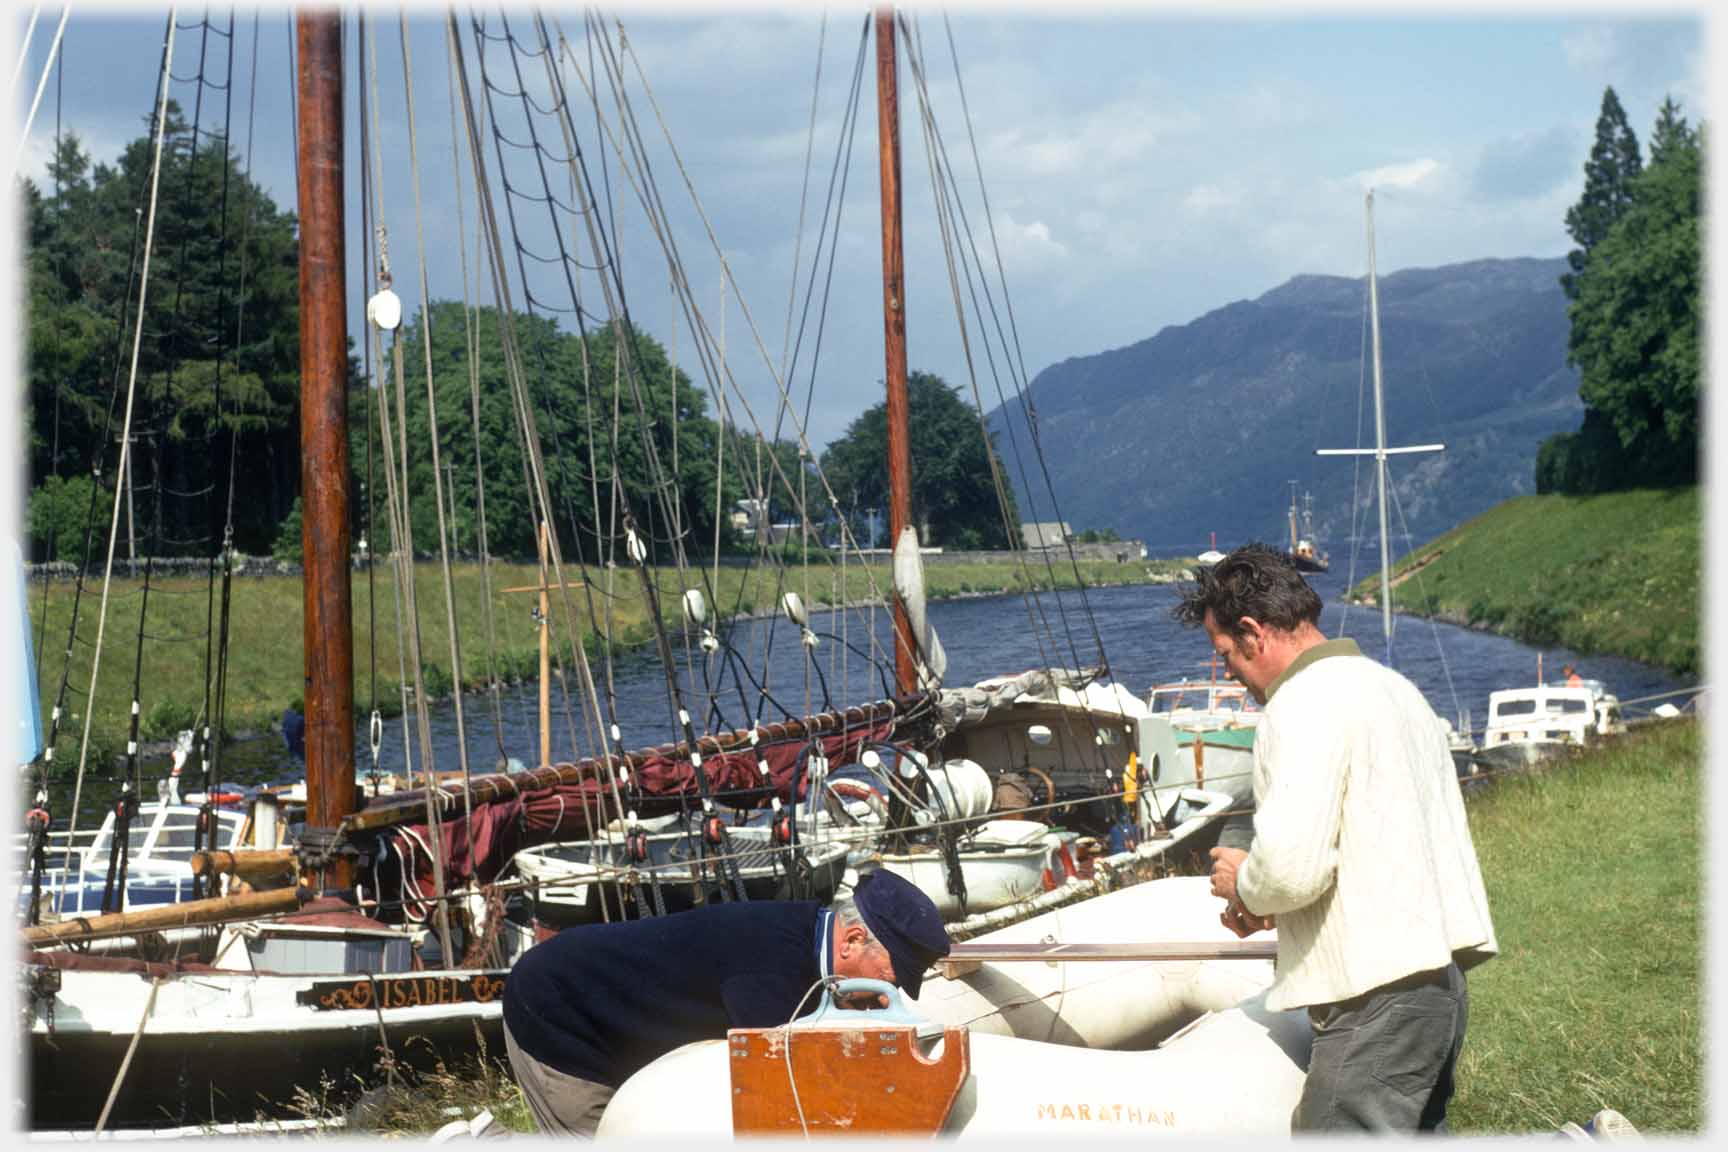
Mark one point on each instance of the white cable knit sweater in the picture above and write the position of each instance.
(1361, 847)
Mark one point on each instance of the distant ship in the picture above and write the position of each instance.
(1301, 547)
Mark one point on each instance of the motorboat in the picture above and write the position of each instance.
(1526, 725)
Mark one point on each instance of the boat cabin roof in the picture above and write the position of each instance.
(1549, 699)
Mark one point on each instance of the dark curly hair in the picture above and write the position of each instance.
(1256, 581)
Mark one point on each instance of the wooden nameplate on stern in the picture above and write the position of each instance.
(850, 1080)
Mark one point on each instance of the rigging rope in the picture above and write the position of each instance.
(41, 85)
(161, 128)
(402, 531)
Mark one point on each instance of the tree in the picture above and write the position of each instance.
(224, 265)
(1635, 319)
(954, 496)
(1671, 134)
(59, 513)
(573, 390)
(1608, 177)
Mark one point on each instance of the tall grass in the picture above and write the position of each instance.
(265, 671)
(1593, 869)
(1616, 573)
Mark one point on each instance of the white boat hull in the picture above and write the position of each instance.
(1068, 1049)
(1236, 1073)
(1117, 1004)
(993, 879)
(226, 1046)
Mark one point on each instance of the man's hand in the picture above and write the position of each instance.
(862, 1001)
(1225, 862)
(1243, 922)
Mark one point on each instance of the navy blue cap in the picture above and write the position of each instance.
(906, 923)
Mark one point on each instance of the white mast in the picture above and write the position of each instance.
(1379, 451)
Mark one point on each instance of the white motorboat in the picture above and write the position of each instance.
(1528, 724)
(1214, 723)
(158, 862)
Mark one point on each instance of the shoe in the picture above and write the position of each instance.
(1610, 1125)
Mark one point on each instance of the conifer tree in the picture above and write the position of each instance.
(1608, 175)
(1671, 133)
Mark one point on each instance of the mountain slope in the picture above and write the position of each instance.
(1201, 427)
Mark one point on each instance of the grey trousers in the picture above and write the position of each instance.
(1385, 1060)
(562, 1104)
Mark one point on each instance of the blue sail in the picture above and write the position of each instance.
(23, 728)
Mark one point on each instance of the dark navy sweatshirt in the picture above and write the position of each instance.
(600, 1001)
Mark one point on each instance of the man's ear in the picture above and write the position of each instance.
(1251, 629)
(852, 939)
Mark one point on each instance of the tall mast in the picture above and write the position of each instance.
(894, 325)
(329, 626)
(1379, 451)
(1379, 438)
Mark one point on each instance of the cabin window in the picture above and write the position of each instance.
(1108, 735)
(1515, 708)
(176, 837)
(1571, 704)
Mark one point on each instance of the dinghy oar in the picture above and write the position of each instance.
(252, 906)
(963, 958)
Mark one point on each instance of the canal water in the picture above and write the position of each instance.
(850, 663)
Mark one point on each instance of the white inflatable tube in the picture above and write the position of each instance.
(1062, 1049)
(1238, 1072)
(1118, 1004)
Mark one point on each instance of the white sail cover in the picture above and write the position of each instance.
(909, 586)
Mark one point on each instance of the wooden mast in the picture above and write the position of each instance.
(329, 626)
(894, 326)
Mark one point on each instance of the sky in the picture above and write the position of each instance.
(1141, 167)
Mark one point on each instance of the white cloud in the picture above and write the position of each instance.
(1204, 199)
(1029, 245)
(1116, 135)
(1269, 105)
(1411, 174)
(1590, 49)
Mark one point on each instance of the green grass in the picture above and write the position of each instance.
(1615, 573)
(1593, 870)
(265, 672)
(409, 1102)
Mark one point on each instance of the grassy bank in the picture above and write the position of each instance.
(1616, 573)
(1593, 870)
(265, 671)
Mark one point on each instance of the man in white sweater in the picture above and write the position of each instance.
(1361, 853)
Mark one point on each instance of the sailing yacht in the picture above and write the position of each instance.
(1463, 751)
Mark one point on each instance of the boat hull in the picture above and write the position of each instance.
(1234, 1073)
(993, 879)
(572, 890)
(1516, 755)
(222, 1047)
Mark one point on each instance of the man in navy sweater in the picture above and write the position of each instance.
(589, 1007)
